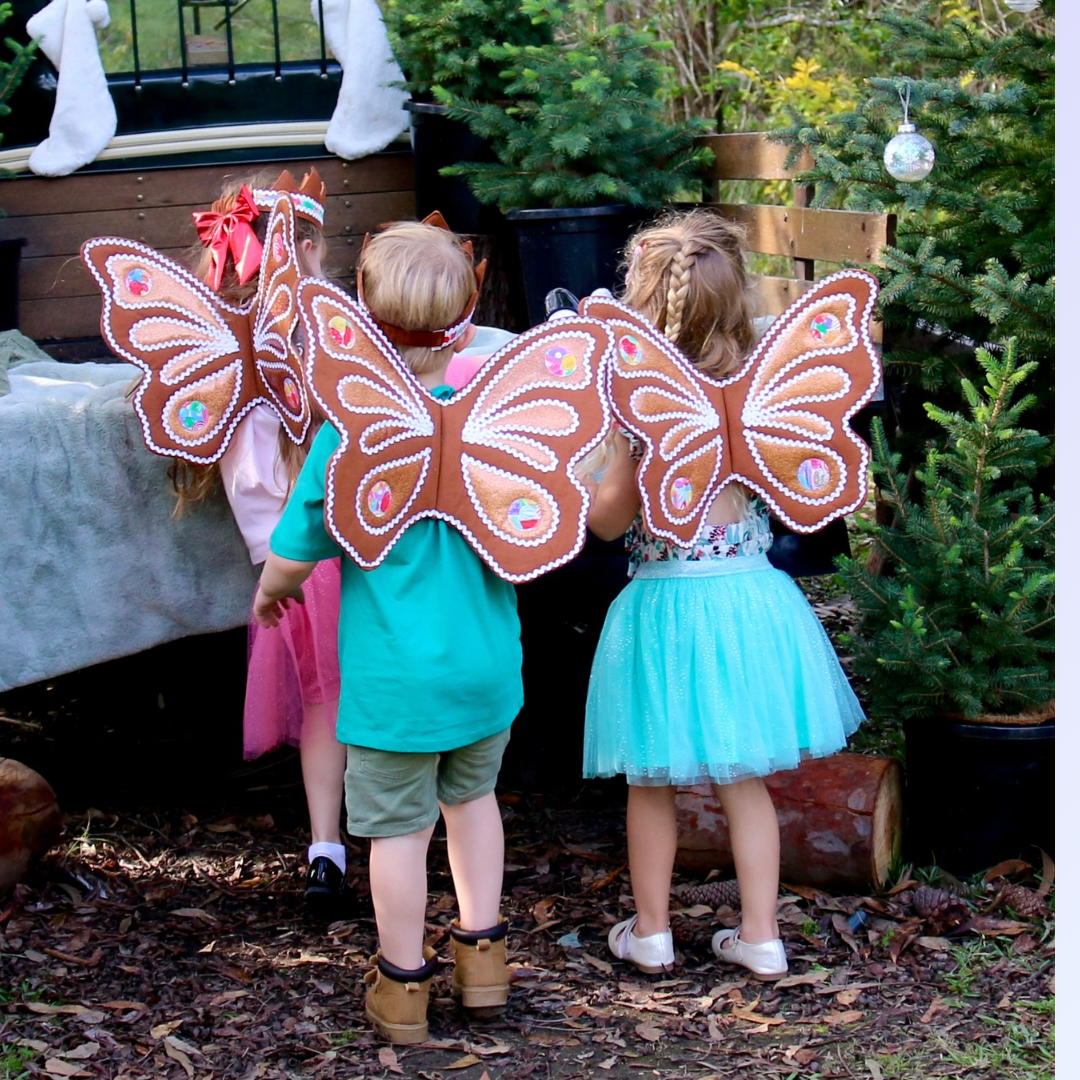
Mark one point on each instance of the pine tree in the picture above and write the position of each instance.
(974, 255)
(12, 71)
(964, 624)
(585, 123)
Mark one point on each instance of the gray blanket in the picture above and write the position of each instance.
(94, 565)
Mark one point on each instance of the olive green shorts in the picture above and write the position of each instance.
(388, 793)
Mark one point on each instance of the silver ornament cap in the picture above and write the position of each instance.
(1023, 6)
(909, 156)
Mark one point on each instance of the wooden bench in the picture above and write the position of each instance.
(58, 299)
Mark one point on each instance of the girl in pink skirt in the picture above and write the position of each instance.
(293, 682)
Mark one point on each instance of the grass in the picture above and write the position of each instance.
(13, 1062)
(158, 27)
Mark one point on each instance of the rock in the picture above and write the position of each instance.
(30, 820)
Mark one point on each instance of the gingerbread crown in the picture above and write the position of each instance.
(431, 339)
(308, 197)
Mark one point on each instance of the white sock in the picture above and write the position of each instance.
(334, 852)
(84, 117)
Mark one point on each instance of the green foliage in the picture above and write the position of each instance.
(436, 43)
(964, 624)
(585, 124)
(12, 71)
(974, 254)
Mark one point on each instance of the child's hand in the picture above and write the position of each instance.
(269, 611)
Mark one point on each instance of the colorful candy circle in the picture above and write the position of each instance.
(194, 415)
(524, 514)
(814, 474)
(278, 247)
(291, 393)
(824, 325)
(379, 498)
(560, 361)
(341, 331)
(630, 350)
(137, 281)
(682, 491)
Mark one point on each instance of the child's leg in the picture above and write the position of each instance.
(474, 842)
(650, 837)
(398, 875)
(755, 844)
(322, 762)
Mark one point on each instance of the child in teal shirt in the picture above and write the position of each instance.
(430, 656)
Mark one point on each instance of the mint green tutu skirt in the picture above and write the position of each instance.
(713, 671)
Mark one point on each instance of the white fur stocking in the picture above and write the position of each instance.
(84, 117)
(369, 113)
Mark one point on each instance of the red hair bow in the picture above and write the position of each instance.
(231, 232)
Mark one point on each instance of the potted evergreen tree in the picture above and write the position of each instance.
(584, 146)
(956, 638)
(436, 44)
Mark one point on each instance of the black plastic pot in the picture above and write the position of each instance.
(976, 794)
(437, 142)
(10, 254)
(575, 247)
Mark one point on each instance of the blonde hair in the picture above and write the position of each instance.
(192, 483)
(686, 274)
(417, 277)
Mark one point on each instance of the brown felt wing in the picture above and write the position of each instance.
(793, 401)
(512, 440)
(274, 322)
(382, 476)
(677, 412)
(194, 350)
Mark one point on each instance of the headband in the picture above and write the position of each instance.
(308, 197)
(431, 339)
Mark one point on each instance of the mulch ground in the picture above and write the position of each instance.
(164, 938)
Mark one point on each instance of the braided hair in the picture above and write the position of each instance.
(686, 275)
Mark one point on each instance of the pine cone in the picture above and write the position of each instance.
(714, 894)
(1027, 903)
(939, 907)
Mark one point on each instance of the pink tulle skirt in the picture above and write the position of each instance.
(293, 664)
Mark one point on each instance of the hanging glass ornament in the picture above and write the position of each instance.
(1023, 6)
(909, 156)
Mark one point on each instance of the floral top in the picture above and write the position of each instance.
(750, 536)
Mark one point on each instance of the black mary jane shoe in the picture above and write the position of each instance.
(327, 896)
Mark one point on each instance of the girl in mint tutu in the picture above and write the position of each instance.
(712, 667)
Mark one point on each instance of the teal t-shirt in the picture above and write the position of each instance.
(429, 641)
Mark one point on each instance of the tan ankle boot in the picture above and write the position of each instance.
(396, 1001)
(481, 978)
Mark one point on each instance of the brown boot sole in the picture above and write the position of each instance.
(398, 1033)
(482, 997)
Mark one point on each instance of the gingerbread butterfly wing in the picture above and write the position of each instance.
(193, 349)
(381, 478)
(781, 424)
(678, 414)
(512, 441)
(275, 320)
(793, 401)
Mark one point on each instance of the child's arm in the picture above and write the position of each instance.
(280, 582)
(616, 500)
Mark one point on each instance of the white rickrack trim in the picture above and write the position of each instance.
(811, 449)
(452, 333)
(425, 455)
(525, 345)
(192, 390)
(497, 530)
(267, 199)
(289, 418)
(478, 431)
(673, 470)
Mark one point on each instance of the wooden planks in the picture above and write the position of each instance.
(750, 156)
(58, 298)
(829, 235)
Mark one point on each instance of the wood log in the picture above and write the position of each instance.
(839, 822)
(30, 820)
